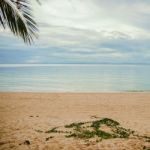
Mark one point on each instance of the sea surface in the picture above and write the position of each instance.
(74, 78)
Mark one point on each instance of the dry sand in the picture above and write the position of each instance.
(23, 114)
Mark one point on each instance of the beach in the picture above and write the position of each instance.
(25, 118)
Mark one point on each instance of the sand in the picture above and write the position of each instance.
(24, 115)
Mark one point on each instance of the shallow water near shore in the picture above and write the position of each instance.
(75, 78)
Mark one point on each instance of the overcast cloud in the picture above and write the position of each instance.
(84, 31)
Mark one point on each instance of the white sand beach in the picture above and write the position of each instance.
(24, 115)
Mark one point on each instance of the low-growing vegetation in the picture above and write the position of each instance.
(80, 130)
(99, 129)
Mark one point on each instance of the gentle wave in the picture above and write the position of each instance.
(74, 78)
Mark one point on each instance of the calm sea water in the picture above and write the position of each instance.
(75, 78)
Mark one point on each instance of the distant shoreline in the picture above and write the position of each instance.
(47, 92)
(46, 65)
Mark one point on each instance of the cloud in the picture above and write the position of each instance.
(84, 31)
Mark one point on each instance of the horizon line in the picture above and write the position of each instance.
(69, 64)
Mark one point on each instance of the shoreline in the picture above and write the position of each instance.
(48, 92)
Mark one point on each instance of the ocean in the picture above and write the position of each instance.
(75, 78)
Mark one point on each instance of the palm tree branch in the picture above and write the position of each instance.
(17, 15)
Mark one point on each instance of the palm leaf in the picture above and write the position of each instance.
(16, 14)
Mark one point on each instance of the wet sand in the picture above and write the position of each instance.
(24, 115)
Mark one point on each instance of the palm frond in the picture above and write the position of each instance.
(38, 1)
(16, 14)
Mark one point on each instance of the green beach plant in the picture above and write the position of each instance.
(93, 129)
(97, 130)
(80, 130)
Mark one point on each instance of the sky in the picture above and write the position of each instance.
(83, 32)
